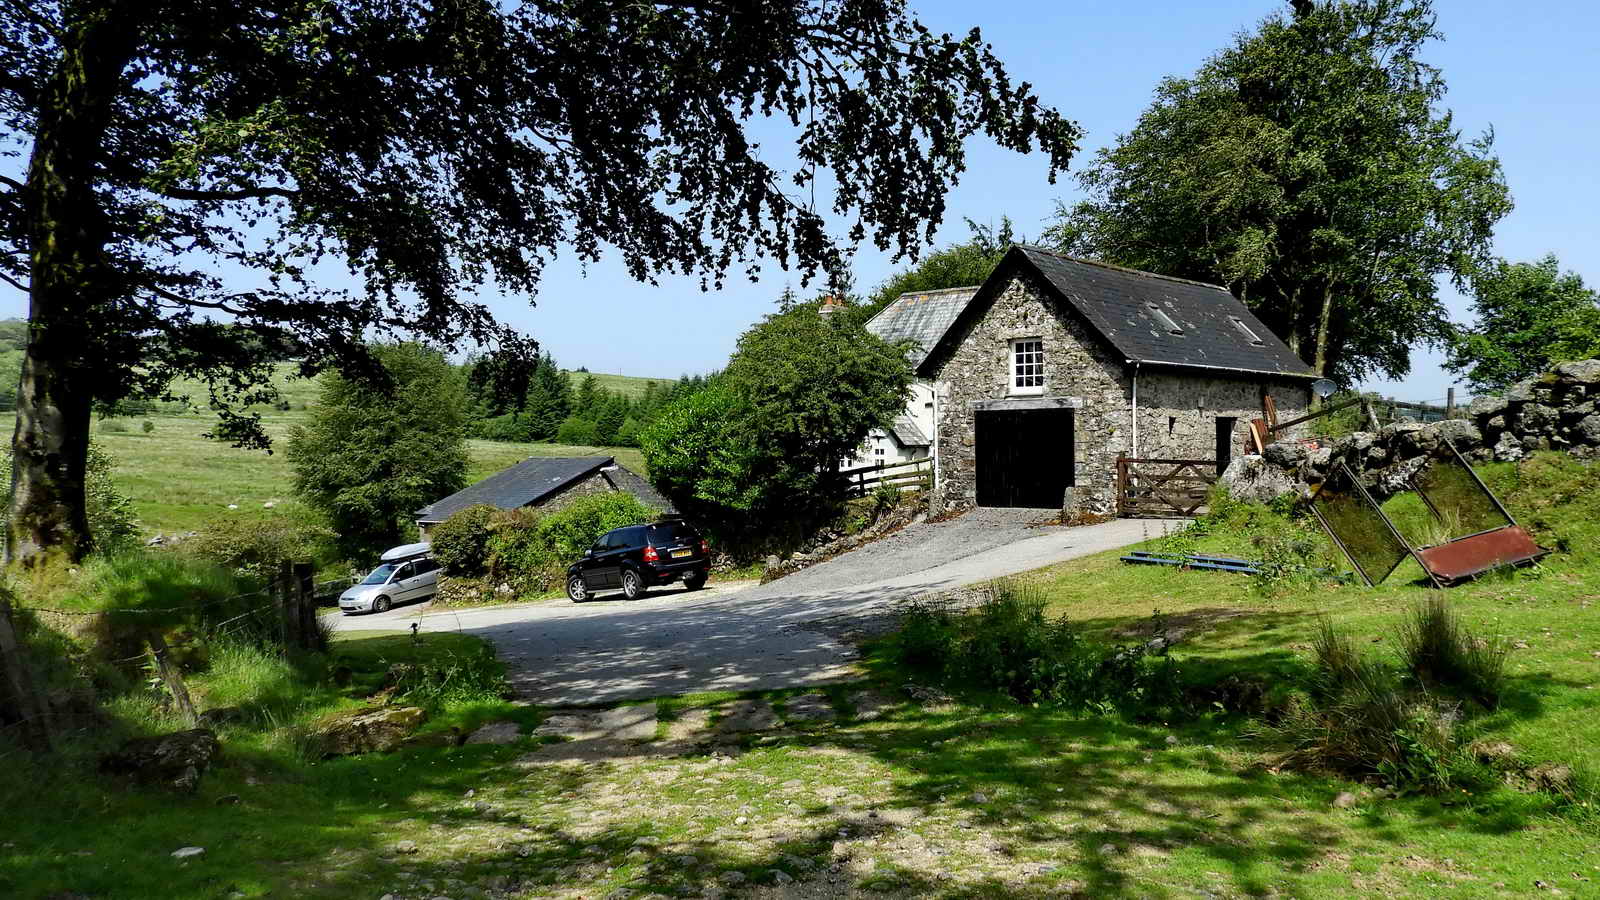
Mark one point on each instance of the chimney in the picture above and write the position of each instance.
(829, 307)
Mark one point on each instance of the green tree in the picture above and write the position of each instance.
(760, 447)
(610, 413)
(432, 148)
(1310, 168)
(369, 458)
(1529, 316)
(958, 265)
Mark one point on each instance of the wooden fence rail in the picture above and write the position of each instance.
(912, 475)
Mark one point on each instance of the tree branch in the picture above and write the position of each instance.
(14, 185)
(13, 282)
(186, 301)
(178, 193)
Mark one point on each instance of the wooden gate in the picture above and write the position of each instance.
(1163, 488)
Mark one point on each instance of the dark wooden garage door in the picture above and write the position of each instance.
(1025, 457)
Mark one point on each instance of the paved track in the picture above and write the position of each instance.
(750, 637)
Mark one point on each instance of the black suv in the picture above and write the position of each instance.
(638, 558)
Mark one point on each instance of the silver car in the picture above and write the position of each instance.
(406, 574)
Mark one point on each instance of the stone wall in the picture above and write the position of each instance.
(588, 487)
(1178, 411)
(1559, 410)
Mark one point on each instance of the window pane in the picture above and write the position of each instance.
(1359, 526)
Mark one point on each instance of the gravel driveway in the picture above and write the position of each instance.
(749, 637)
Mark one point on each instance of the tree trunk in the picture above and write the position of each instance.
(69, 279)
(1324, 319)
(173, 679)
(31, 709)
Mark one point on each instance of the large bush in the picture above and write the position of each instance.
(527, 549)
(256, 543)
(461, 542)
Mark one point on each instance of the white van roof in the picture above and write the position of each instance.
(406, 551)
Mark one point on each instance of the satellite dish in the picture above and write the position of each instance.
(1323, 388)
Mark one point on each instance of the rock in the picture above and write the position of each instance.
(370, 730)
(1557, 779)
(496, 733)
(1396, 478)
(1345, 800)
(406, 848)
(221, 715)
(183, 853)
(1521, 392)
(156, 541)
(747, 715)
(869, 705)
(1400, 435)
(1285, 454)
(980, 798)
(177, 759)
(1461, 433)
(1536, 418)
(1484, 407)
(1492, 752)
(628, 723)
(268, 505)
(1587, 431)
(926, 695)
(809, 708)
(742, 820)
(1253, 479)
(1579, 371)
(1108, 849)
(779, 876)
(233, 506)
(731, 878)
(1508, 449)
(1172, 740)
(1319, 461)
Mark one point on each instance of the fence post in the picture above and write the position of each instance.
(1122, 481)
(1450, 402)
(32, 707)
(305, 590)
(288, 609)
(172, 678)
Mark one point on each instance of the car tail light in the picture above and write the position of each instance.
(650, 554)
(704, 547)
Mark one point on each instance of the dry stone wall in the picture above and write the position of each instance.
(1559, 410)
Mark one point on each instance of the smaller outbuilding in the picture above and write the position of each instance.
(547, 483)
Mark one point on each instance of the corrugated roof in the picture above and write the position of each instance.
(527, 482)
(908, 434)
(1154, 319)
(921, 317)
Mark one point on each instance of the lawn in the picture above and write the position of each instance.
(179, 479)
(629, 386)
(977, 796)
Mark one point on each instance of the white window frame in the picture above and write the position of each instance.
(1167, 323)
(1026, 376)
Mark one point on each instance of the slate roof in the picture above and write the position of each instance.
(907, 433)
(527, 482)
(1155, 320)
(623, 479)
(921, 317)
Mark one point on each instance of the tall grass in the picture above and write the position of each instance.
(1439, 650)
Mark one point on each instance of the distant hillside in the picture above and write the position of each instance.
(627, 385)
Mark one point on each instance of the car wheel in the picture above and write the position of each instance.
(577, 591)
(695, 582)
(381, 605)
(632, 587)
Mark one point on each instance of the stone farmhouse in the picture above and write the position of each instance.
(545, 482)
(1031, 385)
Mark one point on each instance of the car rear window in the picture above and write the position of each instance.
(673, 533)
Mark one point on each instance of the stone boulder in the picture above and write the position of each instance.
(1536, 419)
(1587, 430)
(1580, 371)
(177, 760)
(1484, 407)
(1251, 478)
(1462, 433)
(1285, 454)
(370, 730)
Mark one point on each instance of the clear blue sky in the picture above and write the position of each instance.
(1529, 70)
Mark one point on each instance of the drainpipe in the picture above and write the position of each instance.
(1135, 453)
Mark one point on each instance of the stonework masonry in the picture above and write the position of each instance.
(1178, 410)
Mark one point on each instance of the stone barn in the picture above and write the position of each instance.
(1055, 366)
(545, 482)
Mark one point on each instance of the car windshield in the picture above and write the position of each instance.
(380, 575)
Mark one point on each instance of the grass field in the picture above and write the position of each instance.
(979, 796)
(178, 479)
(627, 385)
